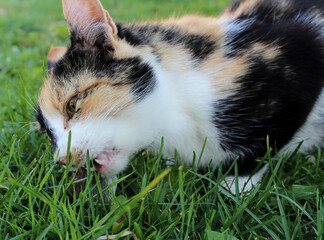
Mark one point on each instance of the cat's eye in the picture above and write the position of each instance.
(71, 107)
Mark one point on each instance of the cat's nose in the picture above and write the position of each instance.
(63, 160)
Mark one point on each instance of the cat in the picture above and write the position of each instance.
(257, 70)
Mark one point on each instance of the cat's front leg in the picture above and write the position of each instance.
(245, 183)
(109, 186)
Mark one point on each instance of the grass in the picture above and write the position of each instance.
(37, 200)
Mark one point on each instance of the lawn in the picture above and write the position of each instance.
(37, 197)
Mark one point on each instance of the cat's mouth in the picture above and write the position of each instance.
(96, 164)
(102, 161)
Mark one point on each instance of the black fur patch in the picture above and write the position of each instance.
(44, 127)
(200, 46)
(77, 61)
(131, 37)
(141, 77)
(310, 4)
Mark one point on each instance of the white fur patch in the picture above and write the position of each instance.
(245, 183)
(311, 133)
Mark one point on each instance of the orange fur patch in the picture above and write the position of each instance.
(193, 24)
(223, 72)
(267, 52)
(48, 98)
(174, 58)
(116, 100)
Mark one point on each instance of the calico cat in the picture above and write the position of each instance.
(257, 70)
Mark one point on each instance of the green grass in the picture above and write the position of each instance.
(37, 200)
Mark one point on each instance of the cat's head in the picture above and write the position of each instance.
(96, 89)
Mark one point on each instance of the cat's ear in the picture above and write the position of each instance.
(90, 25)
(54, 55)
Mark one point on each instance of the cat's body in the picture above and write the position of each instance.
(255, 71)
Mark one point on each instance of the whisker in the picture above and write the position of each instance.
(30, 103)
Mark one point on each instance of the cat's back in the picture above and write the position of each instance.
(266, 11)
(274, 10)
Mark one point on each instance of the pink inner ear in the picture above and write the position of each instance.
(83, 14)
(111, 23)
